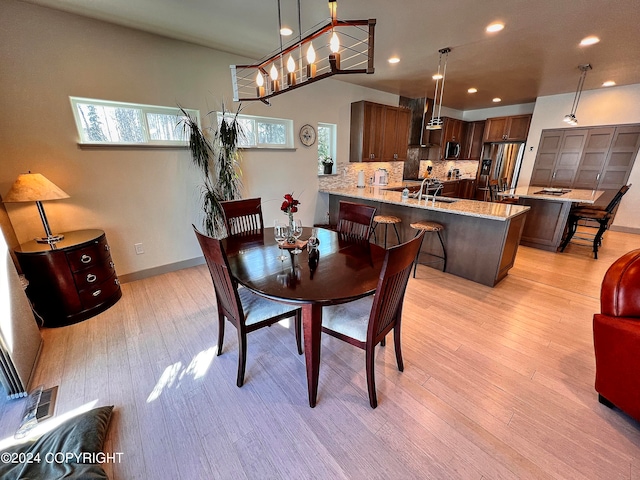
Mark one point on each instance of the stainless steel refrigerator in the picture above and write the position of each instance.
(500, 161)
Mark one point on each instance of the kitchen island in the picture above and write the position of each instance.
(481, 238)
(547, 220)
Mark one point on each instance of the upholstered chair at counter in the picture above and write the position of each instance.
(616, 336)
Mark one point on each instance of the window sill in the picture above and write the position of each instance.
(127, 146)
(279, 149)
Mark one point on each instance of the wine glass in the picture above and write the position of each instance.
(297, 232)
(280, 233)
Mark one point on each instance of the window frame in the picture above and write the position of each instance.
(256, 119)
(333, 142)
(144, 109)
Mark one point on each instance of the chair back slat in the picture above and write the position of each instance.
(617, 198)
(355, 220)
(386, 310)
(241, 216)
(223, 283)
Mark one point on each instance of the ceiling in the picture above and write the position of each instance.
(536, 54)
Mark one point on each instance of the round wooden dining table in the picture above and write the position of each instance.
(345, 271)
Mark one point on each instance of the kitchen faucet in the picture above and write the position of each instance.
(438, 186)
(425, 179)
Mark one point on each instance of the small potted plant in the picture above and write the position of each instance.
(327, 164)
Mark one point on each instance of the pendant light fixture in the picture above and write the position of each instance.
(571, 117)
(436, 120)
(338, 47)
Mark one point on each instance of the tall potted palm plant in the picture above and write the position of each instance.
(215, 152)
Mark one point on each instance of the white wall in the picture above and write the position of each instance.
(604, 106)
(137, 195)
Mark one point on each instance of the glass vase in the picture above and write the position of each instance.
(291, 238)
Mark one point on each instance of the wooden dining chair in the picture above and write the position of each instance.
(244, 309)
(365, 322)
(241, 216)
(355, 220)
(593, 218)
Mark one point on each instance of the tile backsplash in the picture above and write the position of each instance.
(347, 173)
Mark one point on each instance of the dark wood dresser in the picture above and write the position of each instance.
(71, 280)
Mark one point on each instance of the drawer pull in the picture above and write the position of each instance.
(85, 258)
(111, 264)
(116, 282)
(96, 293)
(106, 247)
(91, 278)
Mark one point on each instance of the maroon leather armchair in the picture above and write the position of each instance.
(616, 336)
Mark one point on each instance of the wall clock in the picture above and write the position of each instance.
(307, 135)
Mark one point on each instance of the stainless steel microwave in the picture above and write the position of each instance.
(452, 150)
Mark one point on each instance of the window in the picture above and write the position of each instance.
(326, 146)
(263, 132)
(102, 122)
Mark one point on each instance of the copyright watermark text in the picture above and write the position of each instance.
(60, 457)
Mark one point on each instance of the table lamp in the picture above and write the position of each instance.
(34, 187)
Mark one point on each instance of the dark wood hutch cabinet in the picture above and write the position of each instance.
(71, 280)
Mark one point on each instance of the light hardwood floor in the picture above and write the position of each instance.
(498, 383)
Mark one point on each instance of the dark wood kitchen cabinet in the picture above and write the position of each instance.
(71, 280)
(453, 130)
(507, 129)
(467, 188)
(395, 140)
(472, 141)
(379, 133)
(450, 188)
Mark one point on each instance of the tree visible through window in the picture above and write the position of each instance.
(265, 132)
(105, 122)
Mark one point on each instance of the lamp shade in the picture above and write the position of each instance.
(33, 187)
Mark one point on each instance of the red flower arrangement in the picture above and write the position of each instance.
(290, 204)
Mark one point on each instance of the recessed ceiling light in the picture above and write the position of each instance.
(472, 90)
(589, 41)
(497, 99)
(393, 60)
(495, 27)
(437, 76)
(609, 83)
(285, 31)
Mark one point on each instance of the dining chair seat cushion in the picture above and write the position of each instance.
(257, 308)
(350, 319)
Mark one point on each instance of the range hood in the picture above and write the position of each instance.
(421, 109)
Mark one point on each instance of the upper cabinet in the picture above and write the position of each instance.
(472, 141)
(586, 158)
(507, 129)
(379, 133)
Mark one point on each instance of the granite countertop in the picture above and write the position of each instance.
(560, 195)
(456, 206)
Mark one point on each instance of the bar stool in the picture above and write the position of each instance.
(386, 220)
(429, 227)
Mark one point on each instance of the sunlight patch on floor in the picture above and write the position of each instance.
(175, 373)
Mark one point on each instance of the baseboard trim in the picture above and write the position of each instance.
(152, 272)
(615, 228)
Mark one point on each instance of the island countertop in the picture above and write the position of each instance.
(557, 194)
(471, 208)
